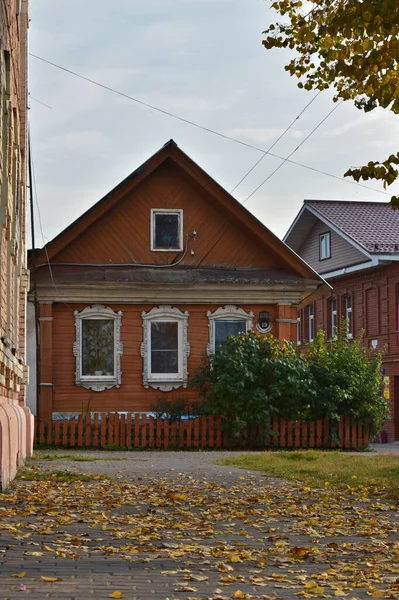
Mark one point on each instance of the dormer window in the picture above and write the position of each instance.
(325, 245)
(166, 230)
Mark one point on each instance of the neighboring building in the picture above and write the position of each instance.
(355, 247)
(158, 272)
(16, 423)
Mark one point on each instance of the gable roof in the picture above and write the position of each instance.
(230, 207)
(372, 225)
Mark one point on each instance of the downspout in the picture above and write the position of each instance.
(33, 280)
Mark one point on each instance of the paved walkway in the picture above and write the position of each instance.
(169, 525)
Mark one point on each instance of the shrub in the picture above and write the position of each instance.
(348, 380)
(175, 409)
(249, 379)
(254, 377)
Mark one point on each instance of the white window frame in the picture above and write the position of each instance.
(334, 318)
(325, 245)
(298, 328)
(226, 313)
(98, 383)
(167, 211)
(311, 322)
(164, 381)
(348, 311)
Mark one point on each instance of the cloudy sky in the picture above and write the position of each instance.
(202, 60)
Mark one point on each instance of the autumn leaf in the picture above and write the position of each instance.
(50, 579)
(238, 594)
(20, 575)
(116, 594)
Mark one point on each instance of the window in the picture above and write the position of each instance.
(98, 348)
(298, 328)
(325, 245)
(334, 318)
(348, 316)
(166, 230)
(165, 348)
(311, 322)
(226, 321)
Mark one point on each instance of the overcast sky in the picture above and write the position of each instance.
(203, 60)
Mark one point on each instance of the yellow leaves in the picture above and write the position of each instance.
(376, 593)
(19, 575)
(116, 594)
(33, 553)
(223, 568)
(313, 588)
(298, 552)
(234, 558)
(238, 594)
(49, 549)
(50, 579)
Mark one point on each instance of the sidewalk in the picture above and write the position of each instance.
(172, 525)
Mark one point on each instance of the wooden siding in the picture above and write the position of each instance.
(123, 235)
(343, 254)
(131, 396)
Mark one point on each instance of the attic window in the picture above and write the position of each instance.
(325, 245)
(166, 230)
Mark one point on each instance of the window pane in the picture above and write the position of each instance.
(98, 347)
(225, 328)
(164, 347)
(167, 231)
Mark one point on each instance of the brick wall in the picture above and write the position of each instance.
(15, 418)
(375, 298)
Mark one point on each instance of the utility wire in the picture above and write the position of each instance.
(41, 226)
(276, 142)
(293, 152)
(209, 130)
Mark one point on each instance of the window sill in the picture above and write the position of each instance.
(165, 385)
(98, 383)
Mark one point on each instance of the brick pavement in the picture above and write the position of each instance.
(174, 525)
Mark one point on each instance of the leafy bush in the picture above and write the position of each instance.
(253, 377)
(347, 377)
(175, 409)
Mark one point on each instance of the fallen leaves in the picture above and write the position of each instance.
(207, 540)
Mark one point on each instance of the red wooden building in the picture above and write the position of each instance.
(355, 247)
(157, 273)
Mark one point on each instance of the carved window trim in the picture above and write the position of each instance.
(165, 382)
(98, 383)
(226, 313)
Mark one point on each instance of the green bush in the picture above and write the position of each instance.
(175, 409)
(253, 377)
(347, 378)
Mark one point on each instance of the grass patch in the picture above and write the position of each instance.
(321, 469)
(72, 457)
(56, 476)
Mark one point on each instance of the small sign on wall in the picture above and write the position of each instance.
(386, 394)
(386, 380)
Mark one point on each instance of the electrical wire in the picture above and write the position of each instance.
(208, 129)
(276, 142)
(293, 152)
(40, 223)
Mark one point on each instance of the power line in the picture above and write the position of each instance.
(276, 142)
(41, 225)
(293, 152)
(208, 129)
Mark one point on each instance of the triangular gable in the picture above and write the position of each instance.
(223, 200)
(303, 237)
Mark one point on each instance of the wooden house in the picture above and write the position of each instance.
(355, 247)
(131, 295)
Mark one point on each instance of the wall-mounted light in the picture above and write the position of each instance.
(263, 325)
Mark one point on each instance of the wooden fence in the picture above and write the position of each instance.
(102, 430)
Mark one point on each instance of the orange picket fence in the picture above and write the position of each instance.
(102, 430)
